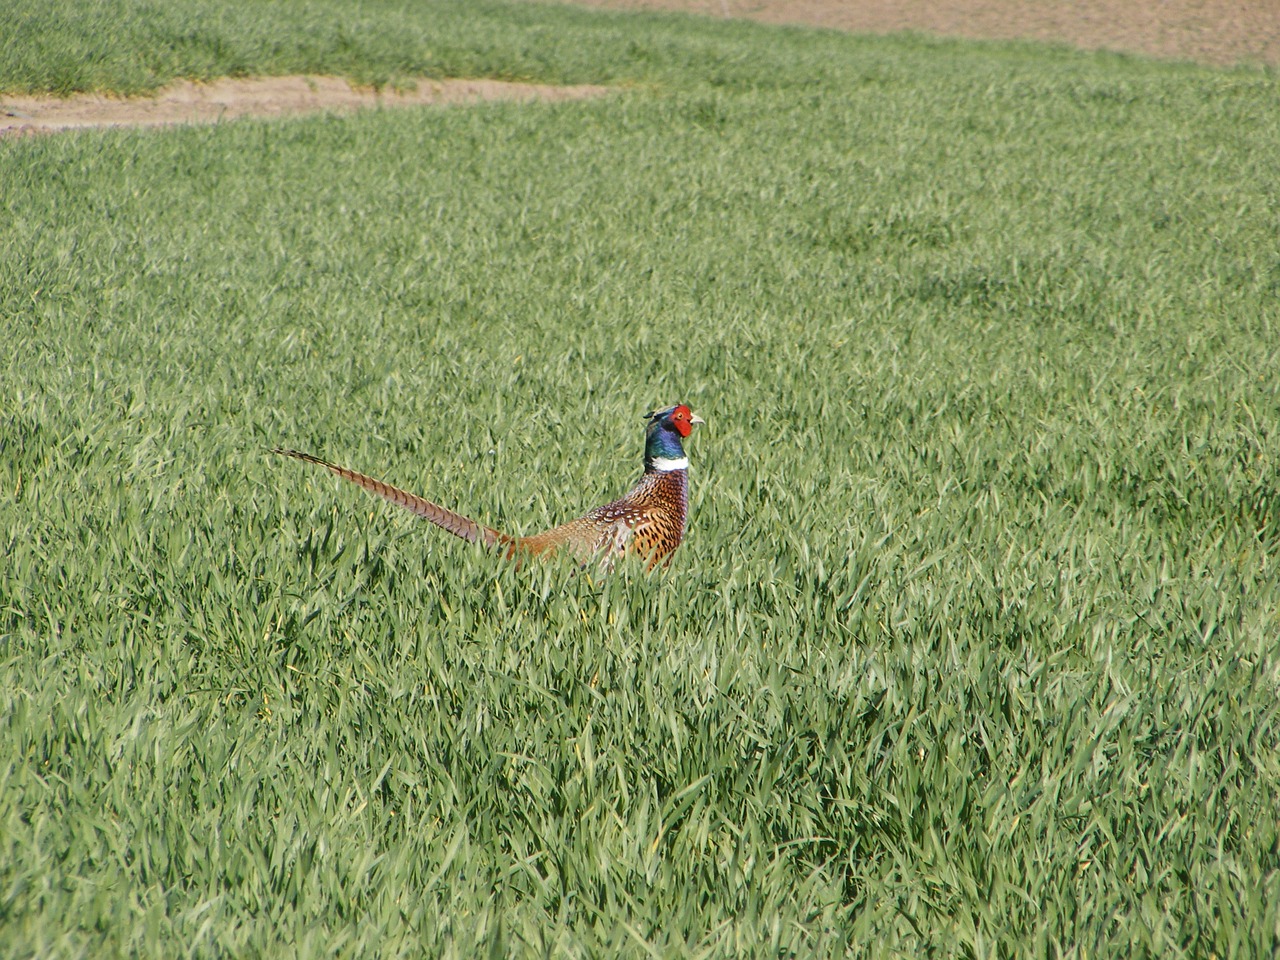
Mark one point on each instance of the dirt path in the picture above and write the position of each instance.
(226, 99)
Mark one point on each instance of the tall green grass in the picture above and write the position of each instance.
(135, 46)
(972, 647)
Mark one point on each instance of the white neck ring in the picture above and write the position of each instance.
(666, 465)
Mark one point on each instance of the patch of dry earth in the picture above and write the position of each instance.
(1218, 32)
(226, 99)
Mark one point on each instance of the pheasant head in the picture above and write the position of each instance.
(664, 435)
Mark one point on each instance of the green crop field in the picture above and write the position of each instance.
(973, 649)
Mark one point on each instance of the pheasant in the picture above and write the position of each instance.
(648, 521)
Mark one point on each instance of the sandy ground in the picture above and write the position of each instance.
(1209, 31)
(227, 99)
(1219, 32)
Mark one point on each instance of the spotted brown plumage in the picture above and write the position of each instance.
(648, 522)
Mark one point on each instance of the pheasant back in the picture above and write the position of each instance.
(648, 522)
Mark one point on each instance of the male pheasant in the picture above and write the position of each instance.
(648, 522)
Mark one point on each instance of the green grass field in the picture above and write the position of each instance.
(972, 650)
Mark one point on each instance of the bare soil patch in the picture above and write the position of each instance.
(226, 99)
(1220, 32)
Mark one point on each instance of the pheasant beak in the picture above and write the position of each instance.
(694, 418)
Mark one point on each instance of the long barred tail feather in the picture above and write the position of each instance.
(455, 523)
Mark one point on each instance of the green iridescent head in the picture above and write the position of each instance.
(664, 434)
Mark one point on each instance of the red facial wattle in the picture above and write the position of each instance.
(682, 419)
